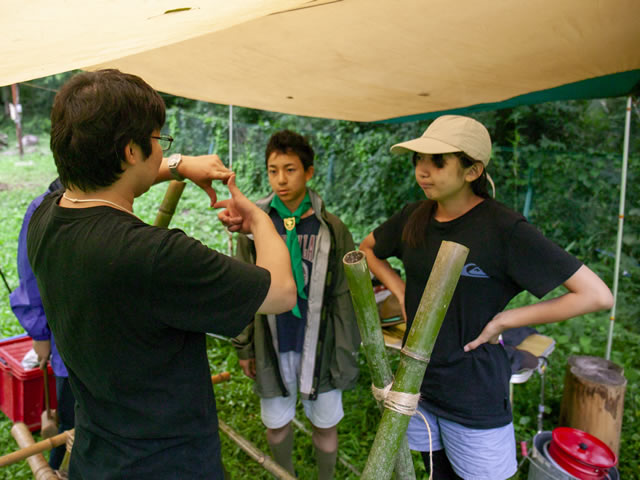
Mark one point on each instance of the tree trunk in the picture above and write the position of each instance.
(364, 303)
(593, 398)
(415, 356)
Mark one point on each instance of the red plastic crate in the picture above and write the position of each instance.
(22, 391)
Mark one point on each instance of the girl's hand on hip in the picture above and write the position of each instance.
(490, 334)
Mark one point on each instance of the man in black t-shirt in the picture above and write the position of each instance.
(129, 303)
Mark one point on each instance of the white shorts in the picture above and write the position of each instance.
(323, 412)
(478, 454)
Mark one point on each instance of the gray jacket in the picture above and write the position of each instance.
(331, 339)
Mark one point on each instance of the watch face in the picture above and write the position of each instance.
(174, 161)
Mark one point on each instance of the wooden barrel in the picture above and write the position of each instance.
(593, 398)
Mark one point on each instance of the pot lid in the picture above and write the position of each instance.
(584, 447)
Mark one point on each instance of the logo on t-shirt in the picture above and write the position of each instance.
(474, 271)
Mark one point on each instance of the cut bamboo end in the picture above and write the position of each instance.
(353, 257)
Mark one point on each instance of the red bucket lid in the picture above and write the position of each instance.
(580, 453)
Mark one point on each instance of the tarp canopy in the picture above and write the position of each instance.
(362, 60)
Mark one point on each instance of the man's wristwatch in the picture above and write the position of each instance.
(174, 161)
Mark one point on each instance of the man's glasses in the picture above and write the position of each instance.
(164, 141)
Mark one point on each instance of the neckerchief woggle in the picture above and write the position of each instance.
(290, 221)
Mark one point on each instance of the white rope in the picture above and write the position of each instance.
(405, 404)
(401, 402)
(380, 393)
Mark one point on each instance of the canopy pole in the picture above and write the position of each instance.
(623, 189)
(229, 234)
(230, 137)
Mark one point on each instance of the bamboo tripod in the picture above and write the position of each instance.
(390, 437)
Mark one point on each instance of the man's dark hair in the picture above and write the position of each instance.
(286, 141)
(94, 116)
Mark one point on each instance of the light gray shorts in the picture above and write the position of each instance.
(323, 412)
(477, 454)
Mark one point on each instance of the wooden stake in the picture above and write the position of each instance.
(593, 398)
(364, 304)
(415, 356)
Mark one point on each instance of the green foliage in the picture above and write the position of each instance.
(566, 156)
(36, 98)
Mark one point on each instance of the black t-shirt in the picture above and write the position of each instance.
(291, 328)
(128, 304)
(506, 256)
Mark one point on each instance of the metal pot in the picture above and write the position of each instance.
(581, 454)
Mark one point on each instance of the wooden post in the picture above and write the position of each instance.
(593, 398)
(364, 303)
(415, 357)
(169, 203)
(17, 115)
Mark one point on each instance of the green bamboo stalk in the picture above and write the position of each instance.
(415, 356)
(169, 203)
(364, 303)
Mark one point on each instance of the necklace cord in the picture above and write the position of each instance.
(86, 200)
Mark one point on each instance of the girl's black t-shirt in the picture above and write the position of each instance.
(506, 256)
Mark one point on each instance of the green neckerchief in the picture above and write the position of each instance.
(290, 221)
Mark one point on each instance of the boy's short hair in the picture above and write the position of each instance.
(94, 116)
(286, 141)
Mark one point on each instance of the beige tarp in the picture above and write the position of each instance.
(352, 59)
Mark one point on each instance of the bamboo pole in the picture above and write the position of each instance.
(33, 448)
(39, 466)
(266, 461)
(169, 203)
(62, 438)
(364, 303)
(415, 357)
(221, 377)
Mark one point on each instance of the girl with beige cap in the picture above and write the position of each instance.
(465, 391)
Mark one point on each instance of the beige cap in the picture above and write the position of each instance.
(451, 133)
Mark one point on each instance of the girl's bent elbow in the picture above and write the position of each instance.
(606, 300)
(601, 299)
